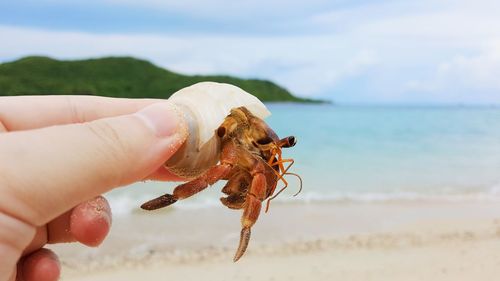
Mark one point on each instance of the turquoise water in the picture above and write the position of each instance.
(377, 153)
(344, 150)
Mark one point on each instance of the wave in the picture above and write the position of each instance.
(126, 203)
(398, 196)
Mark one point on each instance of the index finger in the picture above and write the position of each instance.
(31, 112)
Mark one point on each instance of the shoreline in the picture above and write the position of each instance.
(357, 236)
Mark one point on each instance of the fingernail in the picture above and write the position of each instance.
(100, 209)
(164, 118)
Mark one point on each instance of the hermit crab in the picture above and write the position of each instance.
(228, 140)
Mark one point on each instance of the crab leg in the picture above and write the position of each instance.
(256, 194)
(189, 188)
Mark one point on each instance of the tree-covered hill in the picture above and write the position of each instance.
(115, 77)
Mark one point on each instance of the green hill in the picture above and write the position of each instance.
(115, 77)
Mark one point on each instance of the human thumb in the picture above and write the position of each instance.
(45, 172)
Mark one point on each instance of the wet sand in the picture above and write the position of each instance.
(346, 241)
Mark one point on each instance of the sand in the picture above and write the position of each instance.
(348, 241)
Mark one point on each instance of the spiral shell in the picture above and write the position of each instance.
(205, 105)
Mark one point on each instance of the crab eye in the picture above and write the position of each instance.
(288, 142)
(264, 141)
(221, 131)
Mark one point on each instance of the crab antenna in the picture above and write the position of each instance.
(300, 179)
(276, 151)
(280, 177)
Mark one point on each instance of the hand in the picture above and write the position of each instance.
(57, 155)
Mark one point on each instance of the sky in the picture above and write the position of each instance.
(351, 52)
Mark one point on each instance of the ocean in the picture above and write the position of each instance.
(371, 154)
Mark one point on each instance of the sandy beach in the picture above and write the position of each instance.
(346, 241)
(390, 193)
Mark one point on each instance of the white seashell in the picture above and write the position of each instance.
(205, 105)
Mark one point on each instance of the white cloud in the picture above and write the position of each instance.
(473, 78)
(311, 64)
(389, 52)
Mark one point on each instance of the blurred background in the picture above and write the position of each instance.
(351, 52)
(393, 103)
